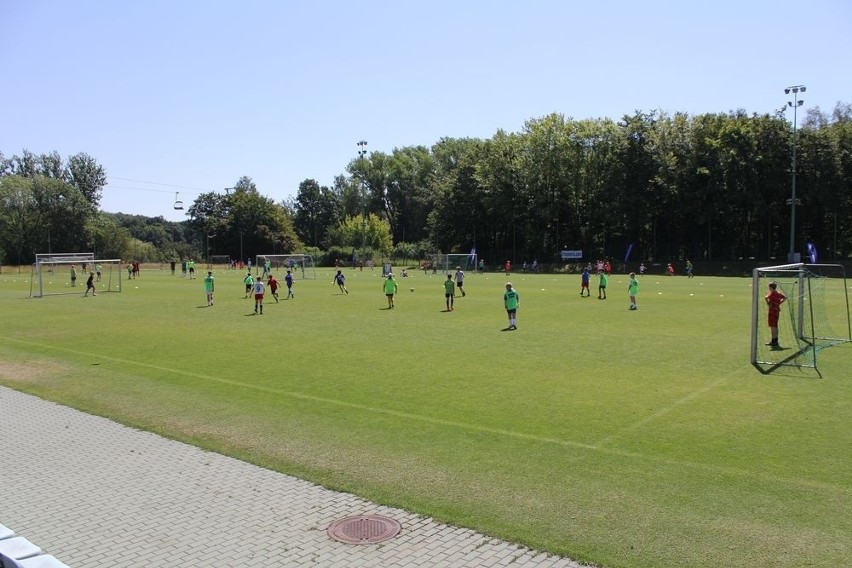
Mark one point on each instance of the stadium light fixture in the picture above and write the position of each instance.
(362, 154)
(795, 103)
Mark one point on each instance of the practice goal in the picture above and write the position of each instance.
(815, 315)
(222, 260)
(52, 274)
(447, 263)
(300, 264)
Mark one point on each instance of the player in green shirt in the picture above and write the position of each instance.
(632, 290)
(512, 301)
(390, 288)
(249, 282)
(208, 287)
(449, 292)
(602, 281)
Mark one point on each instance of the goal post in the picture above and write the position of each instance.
(67, 274)
(815, 316)
(447, 263)
(301, 265)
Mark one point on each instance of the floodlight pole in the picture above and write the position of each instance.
(228, 192)
(362, 154)
(795, 103)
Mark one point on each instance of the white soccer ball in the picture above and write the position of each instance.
(412, 289)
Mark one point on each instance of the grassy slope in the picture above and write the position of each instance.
(623, 438)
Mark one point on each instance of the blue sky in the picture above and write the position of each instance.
(196, 94)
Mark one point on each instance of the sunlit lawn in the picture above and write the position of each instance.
(615, 437)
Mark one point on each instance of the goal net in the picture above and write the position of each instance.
(447, 263)
(221, 260)
(301, 265)
(814, 316)
(67, 274)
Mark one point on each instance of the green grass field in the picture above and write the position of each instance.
(613, 437)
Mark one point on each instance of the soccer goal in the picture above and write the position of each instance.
(67, 274)
(815, 315)
(299, 264)
(447, 263)
(221, 260)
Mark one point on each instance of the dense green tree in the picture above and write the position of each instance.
(705, 187)
(109, 240)
(242, 223)
(370, 234)
(315, 209)
(39, 215)
(456, 215)
(81, 171)
(87, 176)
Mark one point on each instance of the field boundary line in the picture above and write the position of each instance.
(711, 468)
(661, 412)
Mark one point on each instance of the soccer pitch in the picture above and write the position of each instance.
(616, 437)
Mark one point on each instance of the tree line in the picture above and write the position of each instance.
(663, 186)
(667, 187)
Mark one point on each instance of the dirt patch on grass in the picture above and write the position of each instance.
(30, 372)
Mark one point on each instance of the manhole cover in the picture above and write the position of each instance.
(364, 529)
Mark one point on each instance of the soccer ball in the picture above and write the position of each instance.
(412, 289)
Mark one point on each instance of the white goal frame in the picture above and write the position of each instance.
(298, 263)
(447, 263)
(46, 264)
(804, 285)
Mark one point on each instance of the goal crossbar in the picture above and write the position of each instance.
(299, 264)
(47, 281)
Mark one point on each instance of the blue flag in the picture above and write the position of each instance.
(810, 247)
(627, 254)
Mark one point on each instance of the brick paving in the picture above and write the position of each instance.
(97, 494)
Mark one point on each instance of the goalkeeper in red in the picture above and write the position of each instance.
(774, 299)
(512, 301)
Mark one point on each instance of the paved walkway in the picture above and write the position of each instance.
(97, 494)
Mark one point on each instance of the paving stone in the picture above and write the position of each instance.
(94, 493)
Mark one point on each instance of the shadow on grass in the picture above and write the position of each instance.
(769, 368)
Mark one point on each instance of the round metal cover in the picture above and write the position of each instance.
(364, 529)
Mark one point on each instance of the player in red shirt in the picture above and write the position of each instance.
(774, 299)
(272, 283)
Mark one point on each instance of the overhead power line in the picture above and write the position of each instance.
(201, 189)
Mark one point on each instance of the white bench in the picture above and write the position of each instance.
(18, 552)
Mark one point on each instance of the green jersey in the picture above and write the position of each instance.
(603, 279)
(208, 284)
(633, 287)
(511, 299)
(390, 286)
(449, 288)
